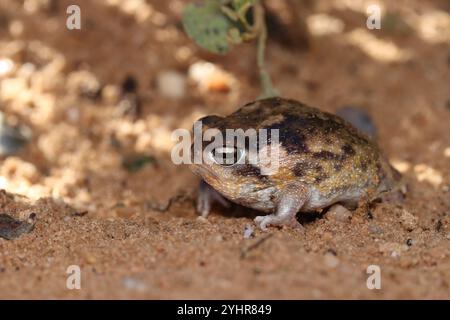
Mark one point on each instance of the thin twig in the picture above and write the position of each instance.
(266, 83)
(260, 241)
(165, 207)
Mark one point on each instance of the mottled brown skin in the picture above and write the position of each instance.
(324, 160)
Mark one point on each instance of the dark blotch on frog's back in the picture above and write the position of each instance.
(301, 169)
(307, 170)
(295, 129)
(326, 155)
(290, 137)
(347, 151)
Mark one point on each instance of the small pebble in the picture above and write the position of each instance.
(26, 70)
(89, 257)
(408, 220)
(248, 232)
(130, 104)
(171, 84)
(73, 114)
(202, 219)
(330, 260)
(375, 229)
(84, 83)
(210, 77)
(111, 94)
(447, 152)
(6, 67)
(11, 228)
(339, 213)
(134, 284)
(426, 173)
(393, 249)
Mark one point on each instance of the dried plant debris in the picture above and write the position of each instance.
(137, 162)
(180, 197)
(11, 228)
(256, 244)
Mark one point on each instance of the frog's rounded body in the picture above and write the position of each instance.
(322, 160)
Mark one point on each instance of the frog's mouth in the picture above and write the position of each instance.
(204, 172)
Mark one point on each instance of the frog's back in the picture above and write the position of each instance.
(319, 149)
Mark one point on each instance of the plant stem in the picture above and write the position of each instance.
(266, 83)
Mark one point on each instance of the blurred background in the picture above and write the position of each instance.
(87, 116)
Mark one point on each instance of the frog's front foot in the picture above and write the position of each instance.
(289, 203)
(275, 220)
(206, 196)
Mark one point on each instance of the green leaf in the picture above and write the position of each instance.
(137, 162)
(208, 26)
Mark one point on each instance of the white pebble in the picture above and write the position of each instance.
(339, 213)
(6, 66)
(331, 261)
(210, 77)
(248, 232)
(171, 84)
(134, 284)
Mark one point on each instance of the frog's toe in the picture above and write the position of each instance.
(203, 206)
(263, 221)
(274, 220)
(206, 196)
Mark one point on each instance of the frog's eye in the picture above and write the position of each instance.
(227, 156)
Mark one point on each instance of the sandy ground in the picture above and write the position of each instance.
(98, 173)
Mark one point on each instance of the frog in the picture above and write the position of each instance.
(323, 161)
